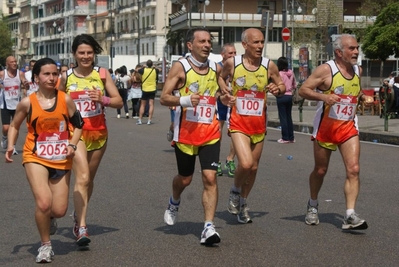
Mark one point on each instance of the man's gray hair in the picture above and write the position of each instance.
(337, 44)
(225, 46)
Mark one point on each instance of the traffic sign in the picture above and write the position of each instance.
(285, 34)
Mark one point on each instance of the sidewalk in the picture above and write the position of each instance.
(371, 126)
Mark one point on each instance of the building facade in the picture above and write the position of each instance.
(136, 30)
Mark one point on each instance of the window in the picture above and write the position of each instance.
(268, 5)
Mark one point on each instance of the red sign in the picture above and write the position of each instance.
(285, 34)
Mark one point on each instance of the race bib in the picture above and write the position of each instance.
(204, 112)
(250, 102)
(345, 110)
(11, 92)
(85, 105)
(52, 146)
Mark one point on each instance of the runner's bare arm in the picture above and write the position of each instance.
(277, 86)
(175, 80)
(320, 79)
(226, 75)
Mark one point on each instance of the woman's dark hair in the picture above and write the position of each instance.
(110, 71)
(396, 79)
(86, 39)
(282, 63)
(38, 66)
(123, 71)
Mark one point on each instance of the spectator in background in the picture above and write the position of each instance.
(135, 92)
(71, 65)
(28, 76)
(149, 79)
(123, 83)
(284, 103)
(111, 71)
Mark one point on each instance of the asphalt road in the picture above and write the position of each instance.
(132, 187)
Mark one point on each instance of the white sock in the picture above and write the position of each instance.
(174, 201)
(313, 202)
(235, 189)
(243, 201)
(349, 212)
(208, 223)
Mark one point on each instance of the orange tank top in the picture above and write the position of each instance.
(198, 125)
(48, 136)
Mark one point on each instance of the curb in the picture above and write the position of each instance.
(375, 137)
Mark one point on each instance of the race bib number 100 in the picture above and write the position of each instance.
(250, 102)
(85, 105)
(345, 110)
(204, 112)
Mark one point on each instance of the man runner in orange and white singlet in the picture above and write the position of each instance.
(251, 77)
(338, 91)
(192, 86)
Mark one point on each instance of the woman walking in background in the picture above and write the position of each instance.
(135, 92)
(123, 83)
(284, 103)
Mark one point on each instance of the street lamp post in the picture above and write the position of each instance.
(206, 3)
(299, 10)
(222, 39)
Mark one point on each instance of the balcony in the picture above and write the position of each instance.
(150, 3)
(130, 8)
(11, 3)
(181, 20)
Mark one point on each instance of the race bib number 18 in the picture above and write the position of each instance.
(345, 110)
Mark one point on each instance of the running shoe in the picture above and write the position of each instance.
(118, 116)
(127, 115)
(312, 215)
(75, 228)
(243, 216)
(219, 172)
(83, 238)
(169, 136)
(354, 222)
(53, 225)
(209, 236)
(234, 203)
(45, 254)
(282, 141)
(4, 142)
(170, 216)
(149, 122)
(15, 152)
(135, 117)
(139, 122)
(231, 167)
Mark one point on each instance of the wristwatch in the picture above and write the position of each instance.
(73, 146)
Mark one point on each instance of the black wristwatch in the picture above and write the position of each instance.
(73, 146)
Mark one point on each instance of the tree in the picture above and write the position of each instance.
(382, 38)
(5, 40)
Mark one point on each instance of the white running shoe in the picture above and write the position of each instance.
(118, 116)
(15, 152)
(45, 254)
(53, 226)
(139, 122)
(4, 142)
(170, 216)
(149, 122)
(209, 236)
(169, 136)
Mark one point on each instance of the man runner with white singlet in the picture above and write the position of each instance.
(12, 88)
(338, 91)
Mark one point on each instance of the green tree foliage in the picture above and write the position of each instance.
(382, 38)
(5, 40)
